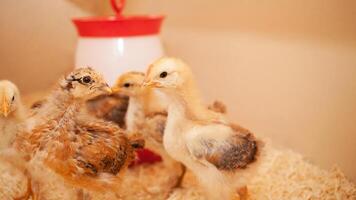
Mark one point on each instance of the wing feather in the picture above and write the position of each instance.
(226, 147)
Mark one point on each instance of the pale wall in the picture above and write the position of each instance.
(286, 69)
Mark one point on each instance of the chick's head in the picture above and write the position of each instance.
(85, 83)
(9, 98)
(129, 84)
(168, 73)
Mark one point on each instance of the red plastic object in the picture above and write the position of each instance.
(146, 156)
(119, 25)
(117, 7)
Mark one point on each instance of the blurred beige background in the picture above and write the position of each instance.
(286, 69)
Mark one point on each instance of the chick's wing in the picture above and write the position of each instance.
(224, 147)
(97, 150)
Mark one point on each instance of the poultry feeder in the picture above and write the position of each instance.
(116, 44)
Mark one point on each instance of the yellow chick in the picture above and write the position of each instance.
(143, 102)
(146, 115)
(222, 156)
(12, 112)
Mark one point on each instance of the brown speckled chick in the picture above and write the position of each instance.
(84, 151)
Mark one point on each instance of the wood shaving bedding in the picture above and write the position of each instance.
(286, 176)
(291, 177)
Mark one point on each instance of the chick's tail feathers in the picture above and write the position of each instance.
(218, 107)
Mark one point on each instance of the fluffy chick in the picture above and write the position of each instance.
(84, 151)
(12, 112)
(144, 104)
(223, 156)
(146, 115)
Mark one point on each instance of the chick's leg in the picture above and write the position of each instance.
(181, 177)
(216, 185)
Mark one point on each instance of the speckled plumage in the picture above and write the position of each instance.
(65, 143)
(236, 153)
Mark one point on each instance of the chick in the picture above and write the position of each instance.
(66, 142)
(223, 156)
(146, 115)
(144, 106)
(12, 112)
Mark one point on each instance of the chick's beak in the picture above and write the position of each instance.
(115, 89)
(150, 84)
(5, 107)
(105, 88)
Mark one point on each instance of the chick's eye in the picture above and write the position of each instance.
(86, 79)
(13, 98)
(163, 75)
(127, 85)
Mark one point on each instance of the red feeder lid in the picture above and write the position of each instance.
(118, 26)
